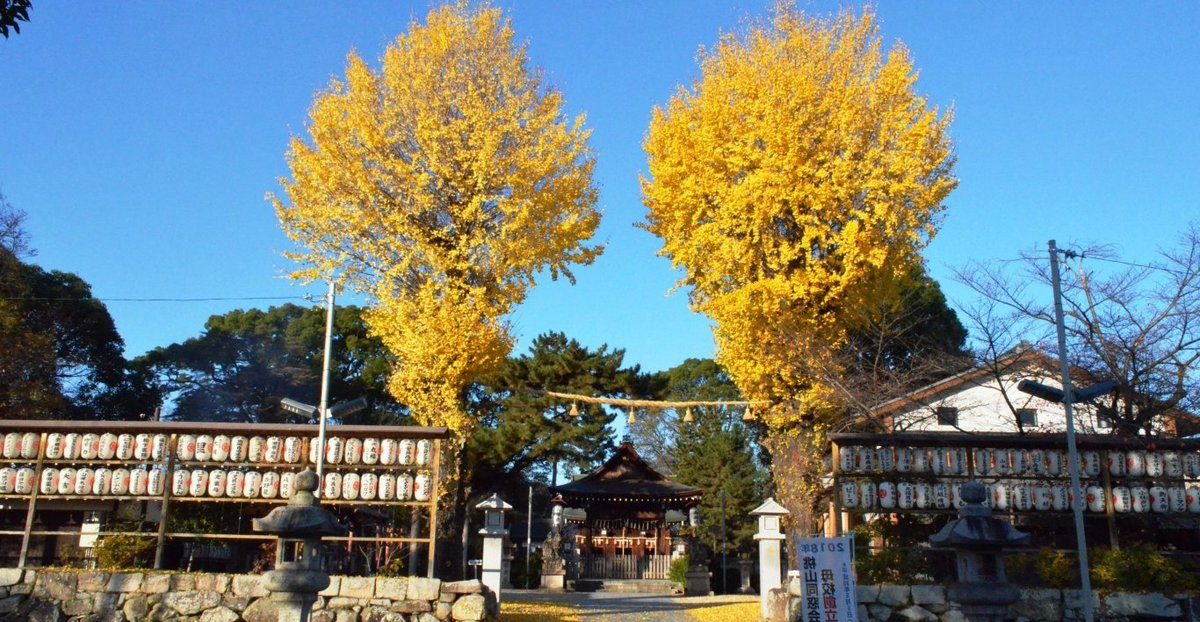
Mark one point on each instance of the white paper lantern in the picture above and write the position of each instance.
(234, 480)
(887, 495)
(107, 447)
(1172, 464)
(120, 482)
(333, 485)
(1059, 497)
(274, 449)
(220, 448)
(368, 486)
(237, 448)
(271, 483)
(54, 445)
(904, 460)
(158, 447)
(868, 495)
(102, 482)
(864, 457)
(387, 487)
(181, 483)
(216, 483)
(422, 487)
(29, 445)
(154, 482)
(1177, 499)
(885, 459)
(66, 481)
(1191, 464)
(1091, 463)
(920, 460)
(138, 481)
(1141, 498)
(204, 444)
(956, 499)
(957, 461)
(1193, 499)
(335, 450)
(199, 483)
(252, 484)
(84, 479)
(124, 446)
(1116, 464)
(141, 447)
(1000, 495)
(71, 446)
(292, 449)
(404, 487)
(921, 495)
(350, 486)
(12, 445)
(938, 462)
(1041, 498)
(49, 483)
(941, 495)
(1022, 497)
(287, 483)
(1037, 461)
(981, 461)
(904, 495)
(1158, 500)
(256, 448)
(1093, 497)
(406, 452)
(314, 450)
(1154, 464)
(388, 451)
(185, 447)
(1001, 464)
(1053, 461)
(1017, 461)
(353, 450)
(847, 459)
(1122, 500)
(370, 451)
(849, 495)
(1135, 463)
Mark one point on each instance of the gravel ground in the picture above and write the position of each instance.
(622, 607)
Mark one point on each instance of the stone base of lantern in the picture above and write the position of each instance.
(697, 582)
(554, 580)
(984, 602)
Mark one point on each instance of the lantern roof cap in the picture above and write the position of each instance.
(494, 502)
(770, 507)
(303, 515)
(976, 527)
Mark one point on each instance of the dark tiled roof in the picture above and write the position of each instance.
(625, 475)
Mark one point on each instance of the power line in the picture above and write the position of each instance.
(211, 299)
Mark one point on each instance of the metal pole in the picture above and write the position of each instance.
(724, 546)
(528, 539)
(323, 409)
(1085, 582)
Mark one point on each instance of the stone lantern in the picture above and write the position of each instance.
(978, 540)
(494, 534)
(769, 537)
(298, 573)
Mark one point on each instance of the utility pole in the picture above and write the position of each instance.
(529, 539)
(323, 408)
(1085, 582)
(724, 546)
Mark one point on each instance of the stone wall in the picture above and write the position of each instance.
(81, 595)
(928, 603)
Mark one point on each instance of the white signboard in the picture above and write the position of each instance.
(827, 579)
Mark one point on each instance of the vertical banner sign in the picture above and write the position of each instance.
(827, 580)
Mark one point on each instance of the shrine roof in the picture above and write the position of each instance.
(626, 476)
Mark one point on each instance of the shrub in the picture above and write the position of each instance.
(679, 568)
(122, 551)
(1139, 568)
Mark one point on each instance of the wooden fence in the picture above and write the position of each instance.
(626, 567)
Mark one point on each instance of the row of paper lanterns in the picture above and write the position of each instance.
(215, 483)
(216, 448)
(1004, 461)
(1020, 496)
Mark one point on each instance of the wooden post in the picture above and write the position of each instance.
(436, 491)
(168, 482)
(33, 499)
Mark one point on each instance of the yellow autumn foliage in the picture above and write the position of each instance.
(440, 184)
(797, 178)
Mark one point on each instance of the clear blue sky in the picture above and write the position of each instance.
(142, 136)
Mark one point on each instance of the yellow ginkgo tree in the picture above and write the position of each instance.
(440, 184)
(796, 179)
